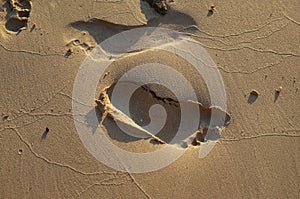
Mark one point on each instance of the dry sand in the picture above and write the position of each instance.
(255, 45)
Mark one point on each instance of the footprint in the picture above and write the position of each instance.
(17, 14)
(83, 41)
(159, 5)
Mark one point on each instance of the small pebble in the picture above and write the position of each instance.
(69, 52)
(278, 90)
(20, 151)
(211, 10)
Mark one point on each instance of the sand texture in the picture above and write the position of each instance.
(255, 45)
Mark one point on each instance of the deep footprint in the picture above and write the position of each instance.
(18, 12)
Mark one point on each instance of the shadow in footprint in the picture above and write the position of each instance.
(24, 4)
(101, 29)
(17, 15)
(92, 121)
(276, 95)
(172, 17)
(44, 136)
(114, 132)
(169, 128)
(15, 25)
(252, 97)
(210, 13)
(8, 9)
(160, 6)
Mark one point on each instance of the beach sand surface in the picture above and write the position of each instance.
(255, 46)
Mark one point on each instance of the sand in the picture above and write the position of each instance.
(255, 46)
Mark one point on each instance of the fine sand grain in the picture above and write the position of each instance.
(255, 46)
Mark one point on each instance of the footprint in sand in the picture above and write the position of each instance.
(17, 14)
(80, 43)
(85, 45)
